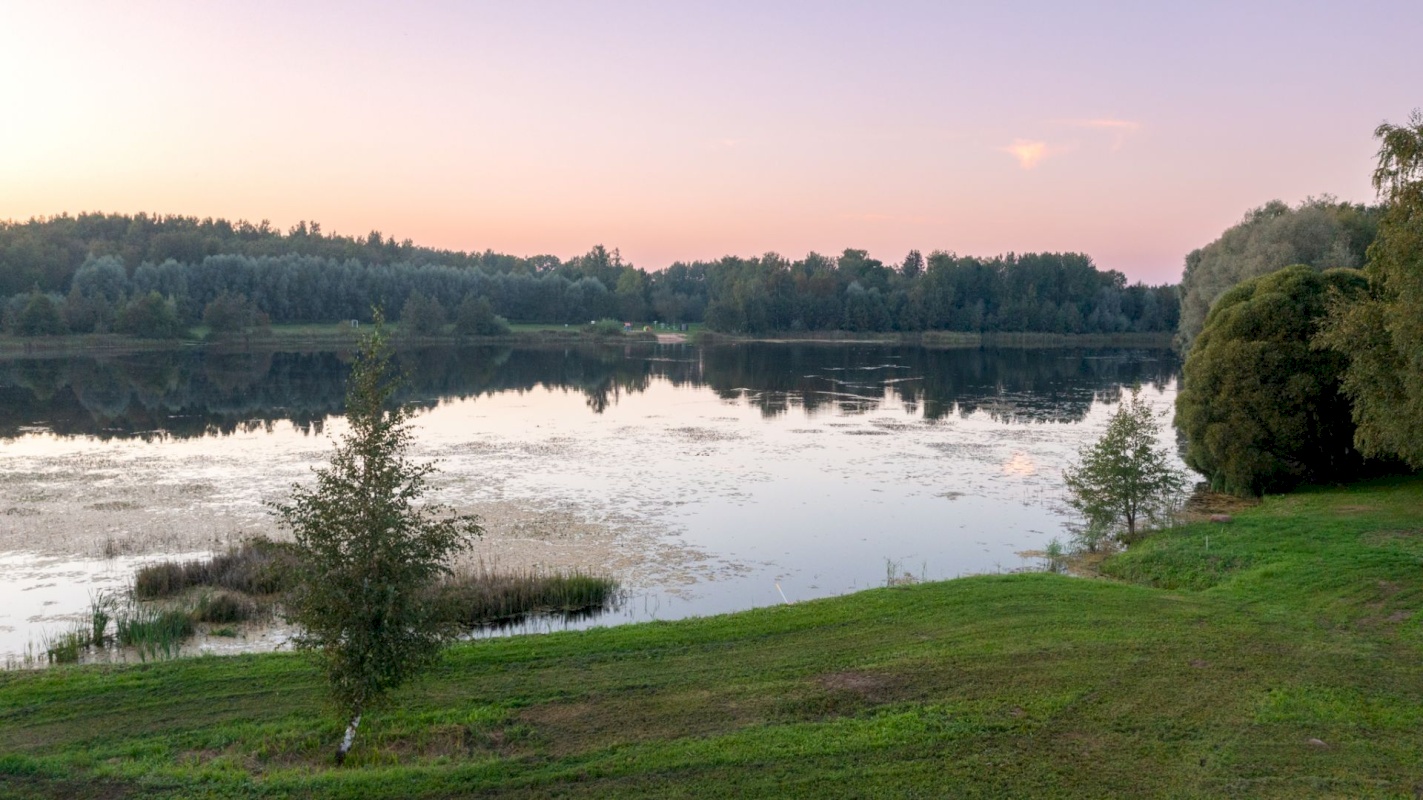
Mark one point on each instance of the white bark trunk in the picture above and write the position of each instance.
(348, 740)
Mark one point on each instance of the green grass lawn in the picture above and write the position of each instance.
(1277, 655)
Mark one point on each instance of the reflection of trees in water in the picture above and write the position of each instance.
(200, 393)
(1012, 385)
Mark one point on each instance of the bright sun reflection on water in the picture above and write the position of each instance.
(1020, 464)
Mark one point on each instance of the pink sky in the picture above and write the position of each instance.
(679, 131)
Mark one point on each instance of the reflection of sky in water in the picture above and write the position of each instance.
(821, 501)
(817, 502)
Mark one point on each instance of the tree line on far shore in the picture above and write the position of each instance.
(156, 275)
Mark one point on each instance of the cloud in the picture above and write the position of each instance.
(1121, 128)
(1028, 153)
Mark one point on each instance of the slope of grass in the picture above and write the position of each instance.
(1281, 659)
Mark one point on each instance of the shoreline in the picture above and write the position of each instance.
(303, 337)
(336, 336)
(1180, 676)
(950, 339)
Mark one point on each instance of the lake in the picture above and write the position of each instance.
(708, 479)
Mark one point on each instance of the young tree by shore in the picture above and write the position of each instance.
(368, 549)
(1124, 479)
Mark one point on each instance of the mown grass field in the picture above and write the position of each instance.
(1279, 655)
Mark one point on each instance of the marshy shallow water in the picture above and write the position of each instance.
(706, 479)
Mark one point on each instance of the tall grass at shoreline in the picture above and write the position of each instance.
(146, 630)
(170, 599)
(153, 632)
(485, 596)
(256, 567)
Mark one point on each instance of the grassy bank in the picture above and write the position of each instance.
(1277, 655)
(329, 336)
(285, 337)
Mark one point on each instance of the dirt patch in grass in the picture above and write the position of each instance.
(872, 686)
(1354, 509)
(582, 726)
(1201, 505)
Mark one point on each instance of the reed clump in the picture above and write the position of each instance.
(152, 632)
(224, 607)
(256, 567)
(66, 647)
(483, 596)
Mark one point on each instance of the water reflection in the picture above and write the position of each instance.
(197, 393)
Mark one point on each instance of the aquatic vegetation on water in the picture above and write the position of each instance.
(66, 647)
(224, 607)
(1055, 556)
(101, 607)
(152, 632)
(483, 596)
(258, 566)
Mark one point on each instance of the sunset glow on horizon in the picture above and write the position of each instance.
(678, 132)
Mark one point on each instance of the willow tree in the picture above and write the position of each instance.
(1260, 408)
(369, 549)
(1381, 334)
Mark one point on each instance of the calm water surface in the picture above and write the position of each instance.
(709, 479)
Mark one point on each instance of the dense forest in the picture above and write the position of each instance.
(155, 275)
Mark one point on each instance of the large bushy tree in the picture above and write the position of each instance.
(1320, 232)
(1382, 333)
(422, 316)
(150, 316)
(369, 548)
(1260, 407)
(39, 316)
(230, 314)
(475, 317)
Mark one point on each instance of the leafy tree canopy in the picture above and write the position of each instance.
(369, 549)
(1381, 333)
(422, 316)
(306, 275)
(1261, 409)
(39, 316)
(1125, 479)
(1321, 233)
(150, 316)
(476, 317)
